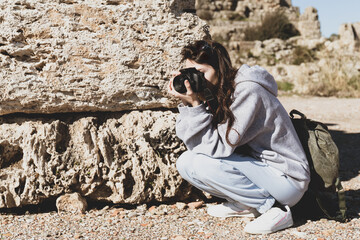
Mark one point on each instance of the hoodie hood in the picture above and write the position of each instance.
(259, 75)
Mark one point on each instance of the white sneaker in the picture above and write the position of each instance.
(273, 220)
(229, 209)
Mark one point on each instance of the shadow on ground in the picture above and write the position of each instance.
(349, 151)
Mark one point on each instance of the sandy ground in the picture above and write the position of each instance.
(341, 114)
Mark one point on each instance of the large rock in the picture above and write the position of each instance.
(106, 59)
(71, 203)
(85, 55)
(112, 157)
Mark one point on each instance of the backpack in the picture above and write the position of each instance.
(325, 195)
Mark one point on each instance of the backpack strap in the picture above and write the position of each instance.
(294, 111)
(342, 204)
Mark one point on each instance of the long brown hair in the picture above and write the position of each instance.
(214, 54)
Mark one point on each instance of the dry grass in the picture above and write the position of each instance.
(338, 76)
(274, 25)
(303, 54)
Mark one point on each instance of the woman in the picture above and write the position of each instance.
(246, 151)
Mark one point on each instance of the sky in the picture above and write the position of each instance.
(332, 13)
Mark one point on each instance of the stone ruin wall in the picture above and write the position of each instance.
(350, 35)
(229, 18)
(83, 99)
(283, 58)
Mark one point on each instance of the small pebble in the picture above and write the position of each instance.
(181, 205)
(195, 205)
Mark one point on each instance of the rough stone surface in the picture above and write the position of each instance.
(350, 35)
(71, 203)
(111, 157)
(309, 24)
(84, 55)
(110, 58)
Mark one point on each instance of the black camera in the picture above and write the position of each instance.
(196, 79)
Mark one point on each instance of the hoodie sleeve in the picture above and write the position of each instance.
(194, 127)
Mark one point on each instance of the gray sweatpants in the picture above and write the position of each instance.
(239, 178)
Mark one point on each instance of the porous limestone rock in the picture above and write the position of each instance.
(85, 55)
(71, 203)
(110, 157)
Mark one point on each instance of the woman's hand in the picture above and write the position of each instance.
(188, 98)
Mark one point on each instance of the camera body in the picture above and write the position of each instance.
(196, 79)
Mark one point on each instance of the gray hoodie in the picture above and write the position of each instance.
(261, 122)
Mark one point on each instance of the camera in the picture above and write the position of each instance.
(196, 79)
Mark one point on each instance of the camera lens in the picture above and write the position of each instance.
(179, 84)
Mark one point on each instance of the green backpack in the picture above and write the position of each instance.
(323, 157)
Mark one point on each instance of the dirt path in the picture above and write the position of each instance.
(341, 114)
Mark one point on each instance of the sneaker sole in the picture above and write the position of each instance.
(270, 231)
(249, 215)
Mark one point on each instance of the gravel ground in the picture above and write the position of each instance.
(189, 220)
(159, 222)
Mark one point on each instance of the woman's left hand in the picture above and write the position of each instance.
(188, 98)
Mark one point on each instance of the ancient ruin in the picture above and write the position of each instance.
(304, 64)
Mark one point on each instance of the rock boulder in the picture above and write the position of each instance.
(109, 157)
(84, 55)
(77, 80)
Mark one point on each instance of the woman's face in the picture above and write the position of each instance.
(209, 71)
